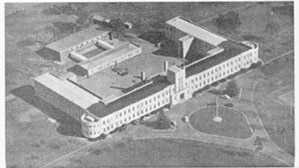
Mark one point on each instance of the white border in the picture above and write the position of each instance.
(2, 63)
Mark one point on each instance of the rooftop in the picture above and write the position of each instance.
(108, 55)
(231, 49)
(76, 38)
(68, 90)
(107, 84)
(101, 110)
(198, 32)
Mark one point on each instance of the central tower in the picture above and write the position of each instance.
(180, 90)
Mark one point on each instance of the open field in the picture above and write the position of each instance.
(273, 100)
(233, 123)
(32, 138)
(169, 152)
(269, 24)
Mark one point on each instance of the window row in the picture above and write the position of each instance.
(107, 124)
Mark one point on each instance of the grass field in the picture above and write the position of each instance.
(233, 123)
(32, 139)
(170, 152)
(277, 115)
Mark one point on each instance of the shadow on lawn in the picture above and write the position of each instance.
(67, 125)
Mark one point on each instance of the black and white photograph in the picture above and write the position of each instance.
(149, 84)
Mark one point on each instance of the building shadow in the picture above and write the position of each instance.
(68, 126)
(77, 70)
(46, 54)
(116, 87)
(167, 49)
(153, 37)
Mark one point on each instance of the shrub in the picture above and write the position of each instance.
(66, 27)
(118, 27)
(258, 142)
(163, 122)
(232, 89)
(229, 21)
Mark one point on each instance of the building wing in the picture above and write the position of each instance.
(194, 30)
(67, 90)
(76, 38)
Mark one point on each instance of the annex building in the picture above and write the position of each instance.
(211, 58)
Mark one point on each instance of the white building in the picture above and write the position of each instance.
(223, 58)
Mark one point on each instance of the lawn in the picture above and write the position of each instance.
(233, 123)
(275, 113)
(32, 140)
(169, 152)
(268, 25)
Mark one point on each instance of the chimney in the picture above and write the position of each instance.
(143, 76)
(165, 66)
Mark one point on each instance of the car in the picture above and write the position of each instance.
(185, 119)
(122, 72)
(225, 96)
(229, 104)
(135, 122)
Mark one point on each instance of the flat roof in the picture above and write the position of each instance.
(68, 90)
(231, 49)
(76, 38)
(107, 83)
(198, 32)
(101, 110)
(108, 55)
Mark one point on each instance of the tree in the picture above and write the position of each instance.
(162, 121)
(259, 144)
(232, 89)
(258, 141)
(118, 27)
(228, 22)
